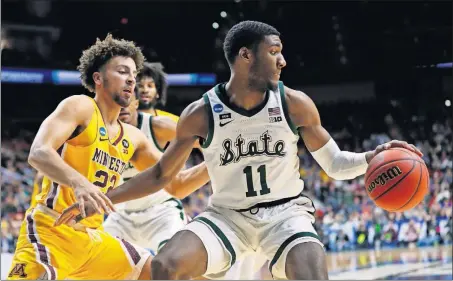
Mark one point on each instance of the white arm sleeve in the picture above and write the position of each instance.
(340, 165)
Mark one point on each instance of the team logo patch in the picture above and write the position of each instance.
(218, 108)
(125, 143)
(225, 116)
(102, 131)
(18, 270)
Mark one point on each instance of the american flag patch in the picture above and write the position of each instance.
(274, 111)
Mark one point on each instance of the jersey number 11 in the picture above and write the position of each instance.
(250, 188)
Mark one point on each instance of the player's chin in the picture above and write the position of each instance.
(123, 101)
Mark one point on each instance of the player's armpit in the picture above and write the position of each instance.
(165, 173)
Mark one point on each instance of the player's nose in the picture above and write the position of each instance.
(281, 62)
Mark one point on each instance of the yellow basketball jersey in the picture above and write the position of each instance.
(165, 113)
(94, 155)
(34, 192)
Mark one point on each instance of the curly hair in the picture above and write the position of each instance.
(101, 52)
(245, 34)
(156, 72)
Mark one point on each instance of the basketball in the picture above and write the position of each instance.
(397, 180)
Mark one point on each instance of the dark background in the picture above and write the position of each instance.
(394, 45)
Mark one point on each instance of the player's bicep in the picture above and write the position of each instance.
(61, 124)
(314, 136)
(305, 115)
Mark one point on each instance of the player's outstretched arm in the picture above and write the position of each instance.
(340, 165)
(164, 129)
(72, 113)
(167, 172)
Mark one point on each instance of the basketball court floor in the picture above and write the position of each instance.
(428, 263)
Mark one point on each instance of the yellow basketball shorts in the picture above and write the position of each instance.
(47, 252)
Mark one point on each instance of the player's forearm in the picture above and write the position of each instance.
(188, 181)
(341, 165)
(48, 161)
(144, 183)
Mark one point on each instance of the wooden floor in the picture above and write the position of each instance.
(430, 263)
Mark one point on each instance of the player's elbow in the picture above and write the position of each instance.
(37, 155)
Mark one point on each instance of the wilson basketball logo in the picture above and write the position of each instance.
(381, 179)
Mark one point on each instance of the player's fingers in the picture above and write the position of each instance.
(93, 201)
(418, 151)
(101, 202)
(82, 207)
(108, 202)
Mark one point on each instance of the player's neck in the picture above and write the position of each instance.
(109, 109)
(134, 120)
(240, 94)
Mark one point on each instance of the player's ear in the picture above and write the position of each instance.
(245, 54)
(97, 78)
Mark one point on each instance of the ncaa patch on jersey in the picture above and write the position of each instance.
(102, 131)
(218, 108)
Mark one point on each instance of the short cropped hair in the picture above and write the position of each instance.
(96, 56)
(245, 34)
(156, 71)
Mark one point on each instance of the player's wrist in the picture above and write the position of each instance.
(369, 155)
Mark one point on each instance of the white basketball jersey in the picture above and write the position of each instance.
(251, 155)
(144, 124)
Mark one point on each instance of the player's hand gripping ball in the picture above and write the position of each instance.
(397, 179)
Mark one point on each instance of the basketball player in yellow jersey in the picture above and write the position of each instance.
(82, 149)
(152, 90)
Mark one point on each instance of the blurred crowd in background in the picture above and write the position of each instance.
(346, 218)
(404, 49)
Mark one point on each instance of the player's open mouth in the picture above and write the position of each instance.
(145, 97)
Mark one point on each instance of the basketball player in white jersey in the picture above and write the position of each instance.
(152, 220)
(249, 128)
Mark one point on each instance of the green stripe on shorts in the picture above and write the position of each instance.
(287, 242)
(222, 237)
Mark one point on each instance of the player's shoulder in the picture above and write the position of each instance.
(196, 108)
(163, 122)
(81, 106)
(302, 109)
(135, 135)
(167, 114)
(130, 130)
(295, 95)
